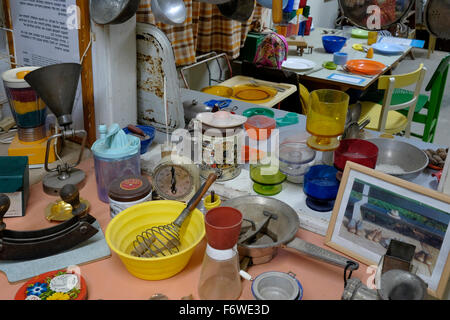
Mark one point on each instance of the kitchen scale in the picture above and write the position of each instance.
(30, 115)
(176, 178)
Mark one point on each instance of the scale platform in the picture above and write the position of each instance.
(35, 151)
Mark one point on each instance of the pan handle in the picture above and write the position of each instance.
(316, 252)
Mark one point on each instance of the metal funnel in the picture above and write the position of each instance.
(57, 85)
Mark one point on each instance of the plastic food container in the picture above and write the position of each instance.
(321, 186)
(28, 109)
(128, 191)
(356, 150)
(295, 160)
(116, 154)
(260, 127)
(267, 179)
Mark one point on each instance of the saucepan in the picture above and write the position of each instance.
(112, 11)
(240, 10)
(270, 224)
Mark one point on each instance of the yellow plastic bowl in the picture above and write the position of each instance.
(123, 229)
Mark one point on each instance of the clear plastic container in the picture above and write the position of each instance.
(116, 154)
(295, 160)
(219, 276)
(107, 170)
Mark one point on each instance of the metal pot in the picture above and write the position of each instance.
(278, 231)
(169, 11)
(192, 108)
(409, 158)
(240, 10)
(112, 11)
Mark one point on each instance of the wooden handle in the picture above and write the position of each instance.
(198, 196)
(192, 204)
(70, 194)
(136, 130)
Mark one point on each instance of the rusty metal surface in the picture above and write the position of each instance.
(155, 59)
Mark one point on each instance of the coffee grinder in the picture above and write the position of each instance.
(57, 85)
(30, 114)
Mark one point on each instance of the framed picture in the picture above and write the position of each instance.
(372, 208)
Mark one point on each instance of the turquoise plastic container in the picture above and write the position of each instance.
(116, 154)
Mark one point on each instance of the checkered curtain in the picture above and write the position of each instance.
(204, 30)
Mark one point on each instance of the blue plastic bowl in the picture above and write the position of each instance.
(321, 183)
(150, 131)
(333, 44)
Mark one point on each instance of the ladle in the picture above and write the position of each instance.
(169, 11)
(112, 11)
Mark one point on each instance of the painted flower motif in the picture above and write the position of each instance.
(59, 296)
(37, 289)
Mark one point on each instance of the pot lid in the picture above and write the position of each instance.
(116, 144)
(14, 78)
(129, 188)
(221, 119)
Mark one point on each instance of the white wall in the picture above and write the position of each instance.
(324, 12)
(114, 73)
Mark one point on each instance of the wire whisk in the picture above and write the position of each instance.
(164, 240)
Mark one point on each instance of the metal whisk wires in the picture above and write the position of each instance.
(159, 241)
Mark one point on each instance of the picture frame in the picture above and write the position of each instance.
(373, 207)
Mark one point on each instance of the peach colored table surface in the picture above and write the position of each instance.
(108, 279)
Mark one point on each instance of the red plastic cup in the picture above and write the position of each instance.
(356, 150)
(223, 225)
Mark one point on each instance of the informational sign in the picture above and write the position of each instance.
(45, 33)
(346, 78)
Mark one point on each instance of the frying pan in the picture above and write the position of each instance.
(112, 11)
(436, 16)
(279, 232)
(392, 11)
(240, 10)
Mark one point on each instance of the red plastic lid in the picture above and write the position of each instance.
(261, 122)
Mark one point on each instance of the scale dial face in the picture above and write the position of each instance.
(173, 182)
